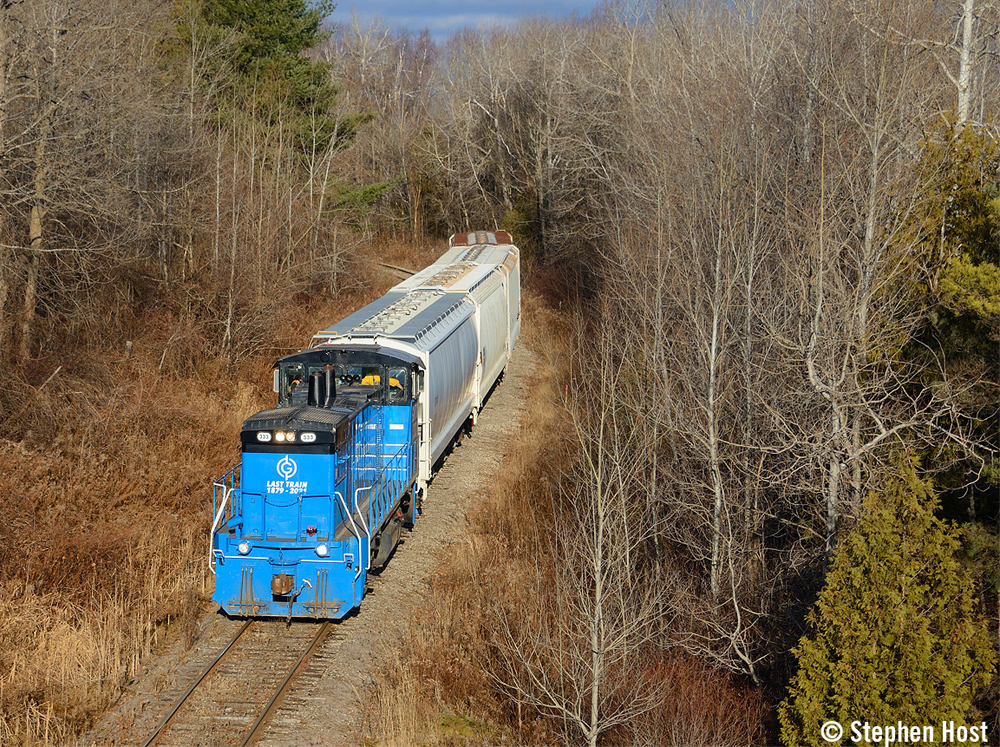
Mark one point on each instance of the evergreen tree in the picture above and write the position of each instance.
(959, 269)
(271, 29)
(271, 77)
(961, 225)
(895, 634)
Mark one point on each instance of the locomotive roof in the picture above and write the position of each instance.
(317, 418)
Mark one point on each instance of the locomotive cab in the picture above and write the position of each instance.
(382, 383)
(323, 487)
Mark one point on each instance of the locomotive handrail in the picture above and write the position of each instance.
(354, 528)
(368, 530)
(227, 493)
(211, 535)
(388, 464)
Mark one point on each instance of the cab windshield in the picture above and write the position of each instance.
(384, 382)
(293, 380)
(358, 376)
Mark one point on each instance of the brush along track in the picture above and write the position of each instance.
(235, 694)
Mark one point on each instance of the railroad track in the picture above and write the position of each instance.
(400, 272)
(233, 698)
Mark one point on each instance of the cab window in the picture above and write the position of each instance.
(398, 378)
(359, 376)
(293, 383)
(292, 376)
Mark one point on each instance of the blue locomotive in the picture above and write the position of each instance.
(330, 477)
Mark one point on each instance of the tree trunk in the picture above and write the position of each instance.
(416, 195)
(31, 280)
(218, 204)
(715, 468)
(833, 481)
(227, 337)
(965, 63)
(44, 97)
(164, 238)
(596, 642)
(35, 240)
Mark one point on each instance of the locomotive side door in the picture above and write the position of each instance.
(415, 441)
(421, 427)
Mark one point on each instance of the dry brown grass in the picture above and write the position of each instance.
(705, 707)
(408, 255)
(64, 662)
(436, 691)
(105, 538)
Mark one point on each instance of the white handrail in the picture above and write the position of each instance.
(226, 492)
(354, 528)
(368, 531)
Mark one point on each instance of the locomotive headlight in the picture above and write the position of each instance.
(322, 550)
(279, 436)
(263, 436)
(290, 436)
(243, 547)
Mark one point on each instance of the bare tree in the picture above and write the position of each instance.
(855, 260)
(571, 647)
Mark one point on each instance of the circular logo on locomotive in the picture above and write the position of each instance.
(287, 467)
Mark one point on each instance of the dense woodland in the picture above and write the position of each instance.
(763, 238)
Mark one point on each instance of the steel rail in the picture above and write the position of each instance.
(204, 673)
(272, 704)
(398, 269)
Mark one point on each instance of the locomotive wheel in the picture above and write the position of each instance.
(406, 506)
(409, 508)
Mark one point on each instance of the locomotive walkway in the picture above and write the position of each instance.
(320, 706)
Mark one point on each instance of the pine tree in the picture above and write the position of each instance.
(895, 634)
(269, 73)
(270, 28)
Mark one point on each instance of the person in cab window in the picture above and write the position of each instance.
(396, 389)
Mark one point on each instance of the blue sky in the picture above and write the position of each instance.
(444, 17)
